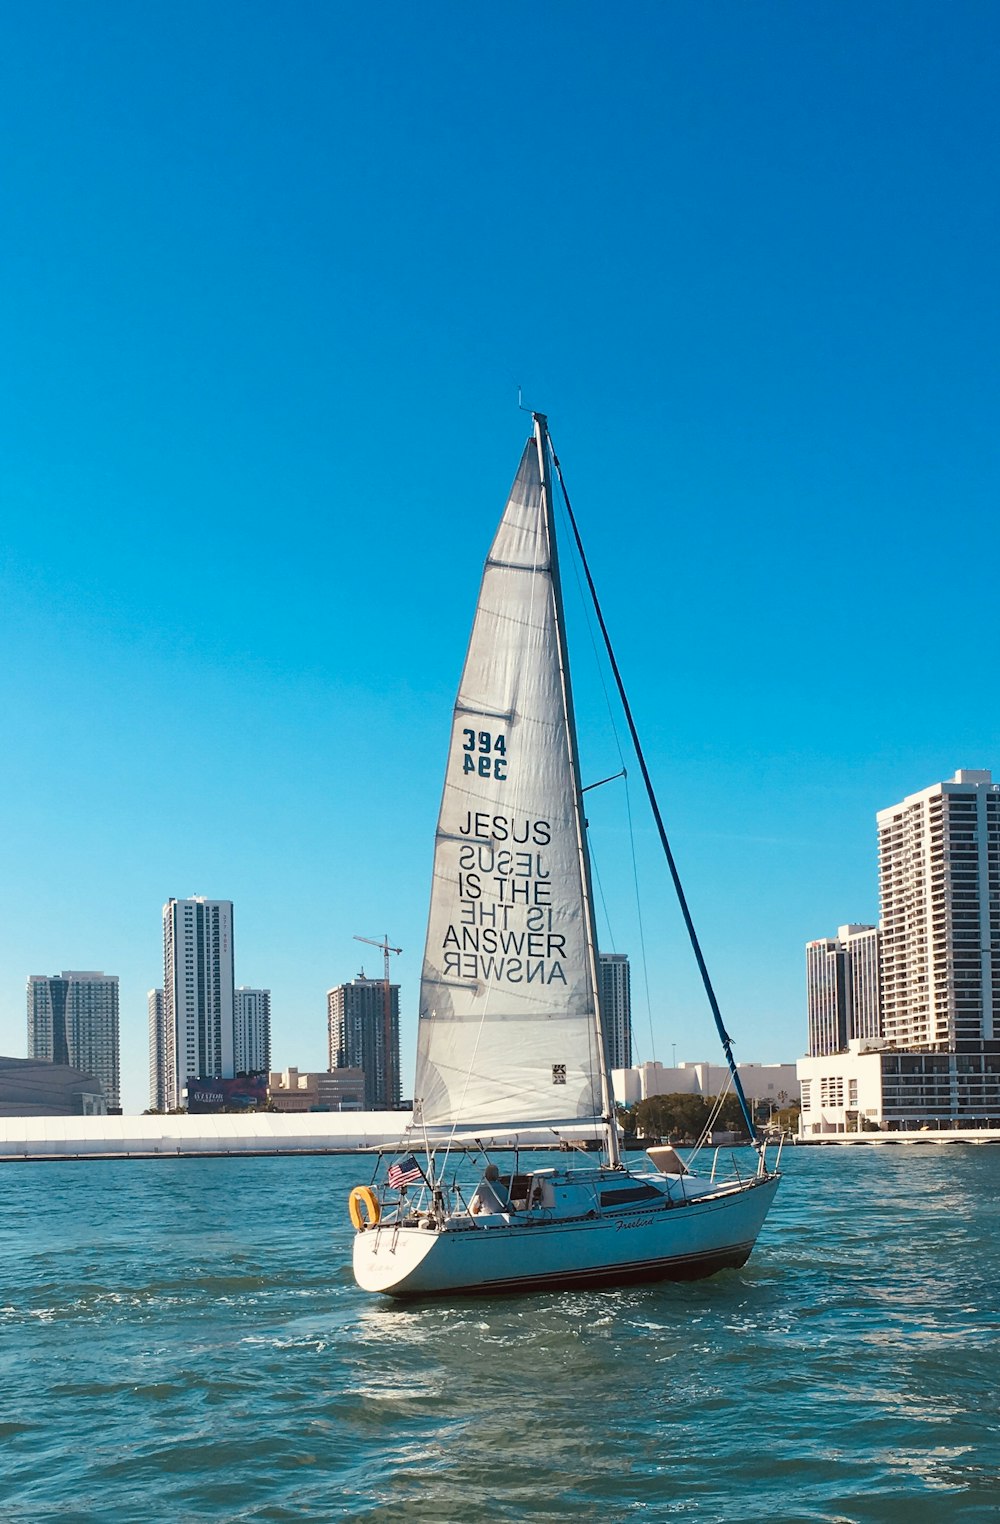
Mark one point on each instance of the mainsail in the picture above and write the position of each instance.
(508, 1032)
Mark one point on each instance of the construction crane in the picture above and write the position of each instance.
(387, 1044)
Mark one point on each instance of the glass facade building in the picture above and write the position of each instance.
(616, 1007)
(358, 1025)
(73, 1020)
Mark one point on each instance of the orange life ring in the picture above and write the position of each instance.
(363, 1196)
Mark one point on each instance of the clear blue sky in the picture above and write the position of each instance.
(271, 277)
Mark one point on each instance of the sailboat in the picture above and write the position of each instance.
(510, 1040)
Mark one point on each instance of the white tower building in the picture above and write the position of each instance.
(157, 1050)
(842, 989)
(197, 993)
(939, 886)
(252, 1031)
(863, 949)
(826, 996)
(73, 1019)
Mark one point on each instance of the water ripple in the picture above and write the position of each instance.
(175, 1347)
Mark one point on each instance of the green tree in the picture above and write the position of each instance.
(677, 1116)
(682, 1117)
(626, 1121)
(731, 1118)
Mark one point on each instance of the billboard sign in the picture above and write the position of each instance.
(248, 1092)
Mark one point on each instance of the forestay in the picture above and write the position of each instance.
(508, 1021)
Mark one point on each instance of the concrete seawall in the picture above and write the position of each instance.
(928, 1135)
(158, 1137)
(265, 1132)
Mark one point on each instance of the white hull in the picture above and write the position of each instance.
(673, 1241)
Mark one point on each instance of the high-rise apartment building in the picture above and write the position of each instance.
(826, 996)
(939, 891)
(197, 993)
(616, 1007)
(252, 1031)
(73, 1019)
(863, 950)
(357, 1026)
(157, 1051)
(842, 989)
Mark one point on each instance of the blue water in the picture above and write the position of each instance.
(182, 1340)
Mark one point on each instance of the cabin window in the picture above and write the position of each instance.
(630, 1193)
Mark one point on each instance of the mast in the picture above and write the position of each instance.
(607, 1100)
(724, 1036)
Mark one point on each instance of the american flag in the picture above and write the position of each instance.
(404, 1172)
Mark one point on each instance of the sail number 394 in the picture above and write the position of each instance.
(485, 754)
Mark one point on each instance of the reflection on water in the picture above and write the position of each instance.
(175, 1347)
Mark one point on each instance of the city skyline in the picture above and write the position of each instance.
(903, 1015)
(253, 306)
(844, 976)
(927, 975)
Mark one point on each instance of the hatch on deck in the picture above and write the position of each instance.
(667, 1160)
